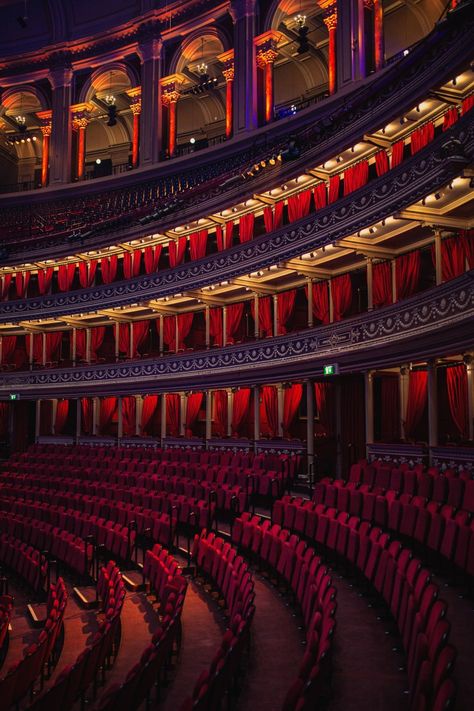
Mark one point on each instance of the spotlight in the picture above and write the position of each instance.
(98, 161)
(437, 196)
(192, 140)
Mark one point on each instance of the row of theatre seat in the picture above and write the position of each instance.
(305, 575)
(164, 575)
(227, 572)
(26, 560)
(23, 675)
(402, 583)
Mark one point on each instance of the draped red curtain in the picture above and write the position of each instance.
(21, 284)
(224, 236)
(193, 406)
(97, 339)
(108, 268)
(185, 321)
(450, 118)
(215, 325)
(341, 290)
(269, 396)
(456, 381)
(390, 406)
(198, 244)
(140, 333)
(382, 284)
(299, 205)
(453, 257)
(324, 396)
(53, 344)
(148, 410)
(86, 410)
(124, 338)
(151, 258)
(62, 411)
(219, 412)
(291, 404)
(108, 408)
(172, 414)
(6, 281)
(240, 409)
(467, 104)
(37, 347)
(407, 274)
(320, 196)
(381, 162)
(234, 319)
(273, 217)
(398, 149)
(8, 347)
(334, 185)
(80, 343)
(467, 237)
(421, 137)
(356, 176)
(66, 276)
(176, 251)
(45, 277)
(286, 304)
(265, 323)
(246, 225)
(132, 263)
(417, 394)
(320, 301)
(128, 415)
(87, 272)
(169, 332)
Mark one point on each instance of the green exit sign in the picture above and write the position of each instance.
(331, 369)
(14, 396)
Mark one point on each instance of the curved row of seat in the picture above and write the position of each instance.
(406, 589)
(75, 680)
(304, 574)
(22, 676)
(219, 564)
(26, 560)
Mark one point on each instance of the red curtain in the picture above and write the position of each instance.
(8, 347)
(450, 118)
(240, 409)
(45, 277)
(53, 344)
(324, 396)
(80, 343)
(333, 192)
(131, 263)
(286, 304)
(382, 284)
(62, 411)
(215, 325)
(381, 162)
(453, 257)
(151, 258)
(320, 301)
(66, 276)
(148, 410)
(37, 347)
(421, 137)
(219, 416)
(6, 281)
(273, 217)
(185, 321)
(198, 244)
(390, 407)
(299, 205)
(246, 225)
(108, 408)
(21, 284)
(108, 268)
(87, 272)
(224, 237)
(97, 338)
(356, 176)
(292, 401)
(124, 338)
(408, 274)
(172, 414)
(467, 237)
(467, 104)
(417, 394)
(128, 415)
(269, 397)
(140, 333)
(341, 289)
(176, 250)
(265, 323)
(398, 150)
(169, 332)
(234, 318)
(320, 196)
(86, 410)
(193, 405)
(456, 381)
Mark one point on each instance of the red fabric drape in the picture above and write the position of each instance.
(246, 225)
(62, 411)
(240, 408)
(124, 338)
(320, 301)
(381, 162)
(273, 217)
(108, 408)
(66, 276)
(324, 396)
(97, 338)
(151, 258)
(417, 394)
(382, 284)
(215, 325)
(87, 272)
(169, 331)
(86, 410)
(6, 281)
(193, 405)
(265, 323)
(291, 404)
(341, 289)
(45, 277)
(148, 410)
(128, 415)
(21, 284)
(286, 304)
(398, 149)
(356, 176)
(108, 268)
(224, 236)
(132, 263)
(37, 347)
(80, 343)
(421, 137)
(198, 244)
(299, 205)
(176, 251)
(320, 196)
(8, 348)
(333, 192)
(407, 274)
(467, 104)
(219, 416)
(450, 118)
(453, 257)
(234, 318)
(456, 381)
(467, 237)
(269, 397)
(390, 409)
(53, 343)
(140, 332)
(172, 414)
(185, 321)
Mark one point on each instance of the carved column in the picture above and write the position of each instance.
(208, 415)
(256, 415)
(469, 361)
(432, 406)
(149, 50)
(45, 118)
(310, 424)
(370, 290)
(80, 120)
(230, 411)
(329, 8)
(136, 109)
(243, 14)
(60, 79)
(369, 406)
(169, 99)
(403, 383)
(227, 59)
(266, 53)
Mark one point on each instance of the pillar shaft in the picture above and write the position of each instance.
(310, 303)
(403, 382)
(182, 414)
(150, 120)
(163, 417)
(369, 407)
(207, 318)
(37, 419)
(135, 138)
(45, 160)
(245, 88)
(378, 34)
(370, 283)
(256, 415)
(61, 131)
(119, 418)
(432, 406)
(310, 424)
(438, 258)
(281, 403)
(230, 409)
(256, 329)
(208, 415)
(78, 419)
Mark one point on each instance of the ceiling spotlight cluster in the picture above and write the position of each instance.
(13, 138)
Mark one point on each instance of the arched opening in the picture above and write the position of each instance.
(21, 147)
(408, 22)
